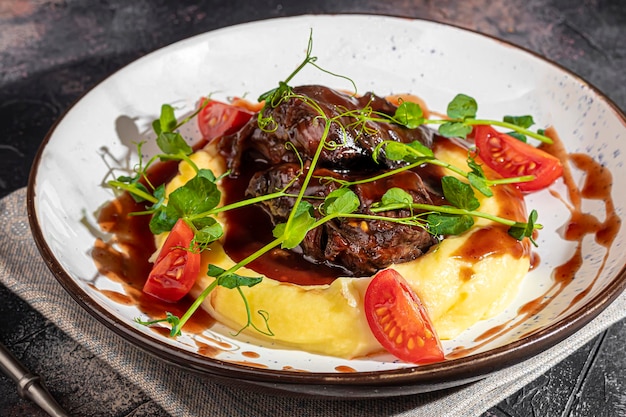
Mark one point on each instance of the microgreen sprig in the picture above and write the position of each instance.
(416, 154)
(458, 217)
(274, 97)
(461, 112)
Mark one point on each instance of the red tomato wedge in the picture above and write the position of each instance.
(176, 268)
(399, 320)
(217, 118)
(510, 157)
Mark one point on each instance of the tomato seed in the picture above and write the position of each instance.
(392, 332)
(388, 326)
(381, 311)
(410, 343)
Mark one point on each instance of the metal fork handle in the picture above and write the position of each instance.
(29, 385)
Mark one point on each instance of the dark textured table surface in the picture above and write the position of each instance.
(53, 51)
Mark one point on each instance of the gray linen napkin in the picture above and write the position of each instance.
(182, 395)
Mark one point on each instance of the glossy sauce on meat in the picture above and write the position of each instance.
(278, 157)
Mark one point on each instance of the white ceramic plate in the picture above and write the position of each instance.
(381, 54)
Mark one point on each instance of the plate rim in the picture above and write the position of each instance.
(472, 367)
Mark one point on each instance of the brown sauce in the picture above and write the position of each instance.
(292, 369)
(597, 186)
(250, 364)
(251, 355)
(207, 350)
(491, 241)
(244, 237)
(208, 346)
(125, 258)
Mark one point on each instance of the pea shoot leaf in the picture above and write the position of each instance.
(340, 201)
(166, 121)
(454, 129)
(198, 195)
(449, 224)
(172, 143)
(479, 183)
(396, 195)
(409, 152)
(409, 114)
(300, 225)
(126, 179)
(208, 231)
(518, 136)
(475, 166)
(477, 178)
(159, 194)
(459, 194)
(169, 318)
(231, 281)
(163, 220)
(521, 230)
(207, 173)
(274, 96)
(524, 122)
(136, 188)
(462, 107)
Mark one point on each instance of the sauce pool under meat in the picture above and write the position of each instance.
(249, 228)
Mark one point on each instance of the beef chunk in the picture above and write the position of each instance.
(361, 246)
(297, 122)
(285, 150)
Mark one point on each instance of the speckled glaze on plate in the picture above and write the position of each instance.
(382, 54)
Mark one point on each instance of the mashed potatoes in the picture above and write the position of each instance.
(462, 280)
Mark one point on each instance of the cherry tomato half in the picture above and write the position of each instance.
(217, 118)
(510, 157)
(176, 268)
(399, 320)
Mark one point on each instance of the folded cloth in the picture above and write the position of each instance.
(180, 395)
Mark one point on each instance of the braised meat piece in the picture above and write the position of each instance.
(297, 122)
(361, 246)
(280, 155)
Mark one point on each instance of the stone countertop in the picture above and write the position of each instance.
(53, 51)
